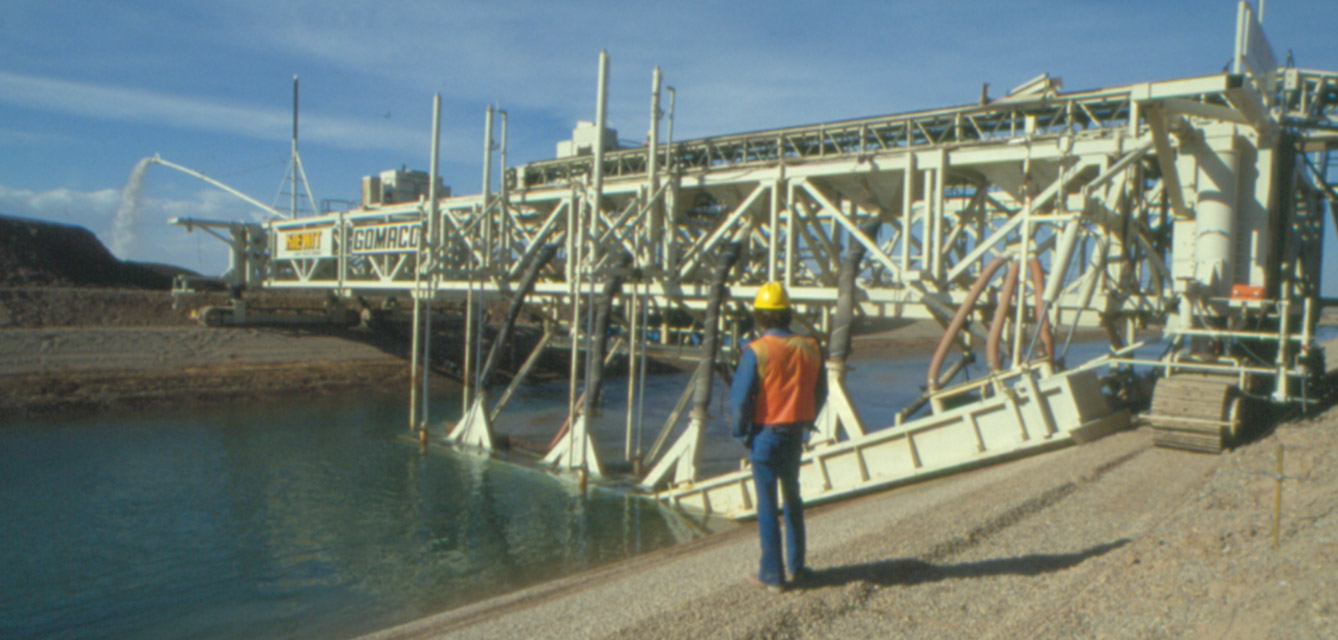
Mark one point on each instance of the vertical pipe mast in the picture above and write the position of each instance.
(592, 256)
(653, 236)
(470, 310)
(292, 212)
(655, 228)
(504, 215)
(428, 240)
(670, 257)
(487, 186)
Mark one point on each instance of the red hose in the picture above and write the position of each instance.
(1001, 313)
(1042, 319)
(959, 320)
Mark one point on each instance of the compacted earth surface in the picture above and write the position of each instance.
(79, 350)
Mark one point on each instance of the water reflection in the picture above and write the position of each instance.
(311, 519)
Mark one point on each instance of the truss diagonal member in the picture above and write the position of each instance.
(610, 232)
(709, 243)
(679, 408)
(1157, 123)
(874, 250)
(460, 230)
(1118, 167)
(821, 235)
(1042, 200)
(524, 372)
(536, 243)
(816, 245)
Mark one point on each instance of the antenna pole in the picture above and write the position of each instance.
(293, 211)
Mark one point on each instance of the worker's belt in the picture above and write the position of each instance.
(780, 426)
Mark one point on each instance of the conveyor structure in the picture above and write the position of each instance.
(1192, 206)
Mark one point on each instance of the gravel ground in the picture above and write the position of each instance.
(1114, 539)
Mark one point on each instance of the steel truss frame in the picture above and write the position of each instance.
(1124, 169)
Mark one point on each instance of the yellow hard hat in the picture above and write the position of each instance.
(771, 297)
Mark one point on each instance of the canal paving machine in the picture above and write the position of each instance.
(1182, 219)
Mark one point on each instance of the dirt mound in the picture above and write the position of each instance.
(37, 253)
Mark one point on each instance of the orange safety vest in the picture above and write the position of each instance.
(787, 372)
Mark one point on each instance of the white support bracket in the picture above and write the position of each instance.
(681, 458)
(575, 450)
(475, 428)
(838, 414)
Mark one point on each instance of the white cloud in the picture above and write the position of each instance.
(150, 238)
(18, 138)
(134, 105)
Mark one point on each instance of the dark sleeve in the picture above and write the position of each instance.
(820, 389)
(742, 394)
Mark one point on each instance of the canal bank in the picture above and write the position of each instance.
(1109, 539)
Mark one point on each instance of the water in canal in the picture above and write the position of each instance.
(317, 517)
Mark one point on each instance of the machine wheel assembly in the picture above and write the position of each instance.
(1197, 412)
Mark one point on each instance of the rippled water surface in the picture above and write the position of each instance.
(311, 519)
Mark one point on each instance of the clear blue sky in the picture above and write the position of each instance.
(87, 89)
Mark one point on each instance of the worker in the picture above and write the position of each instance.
(777, 391)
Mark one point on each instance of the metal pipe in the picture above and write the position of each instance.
(1095, 271)
(633, 327)
(1001, 310)
(293, 211)
(466, 373)
(655, 227)
(430, 241)
(537, 263)
(487, 187)
(601, 125)
(641, 373)
(574, 249)
(505, 198)
(669, 254)
(524, 372)
(469, 375)
(157, 159)
(591, 257)
(413, 364)
(1043, 329)
(673, 96)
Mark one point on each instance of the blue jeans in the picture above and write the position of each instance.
(775, 457)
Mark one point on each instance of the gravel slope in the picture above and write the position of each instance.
(1113, 539)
